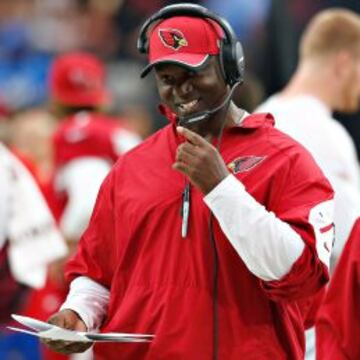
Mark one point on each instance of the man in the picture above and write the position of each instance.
(203, 236)
(327, 79)
(87, 142)
(29, 242)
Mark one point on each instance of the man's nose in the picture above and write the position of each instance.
(184, 88)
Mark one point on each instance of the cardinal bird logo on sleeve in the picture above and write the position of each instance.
(172, 38)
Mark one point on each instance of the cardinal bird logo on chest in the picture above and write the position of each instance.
(172, 38)
(245, 163)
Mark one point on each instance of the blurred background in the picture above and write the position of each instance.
(32, 32)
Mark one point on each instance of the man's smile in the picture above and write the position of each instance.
(189, 107)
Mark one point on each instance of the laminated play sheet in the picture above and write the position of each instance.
(52, 332)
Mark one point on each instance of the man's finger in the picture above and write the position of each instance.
(66, 347)
(182, 167)
(77, 347)
(184, 157)
(187, 148)
(191, 136)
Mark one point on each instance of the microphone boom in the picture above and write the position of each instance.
(204, 115)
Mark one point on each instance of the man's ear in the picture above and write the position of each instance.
(343, 60)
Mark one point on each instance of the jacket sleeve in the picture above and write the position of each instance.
(287, 246)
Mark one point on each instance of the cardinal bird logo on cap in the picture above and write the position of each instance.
(172, 38)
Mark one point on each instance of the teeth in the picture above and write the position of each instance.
(188, 106)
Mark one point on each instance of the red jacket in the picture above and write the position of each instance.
(338, 322)
(163, 284)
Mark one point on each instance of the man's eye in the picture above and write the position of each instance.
(167, 80)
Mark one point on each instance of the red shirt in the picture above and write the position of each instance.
(338, 322)
(85, 134)
(161, 283)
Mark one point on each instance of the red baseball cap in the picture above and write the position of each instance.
(78, 79)
(183, 40)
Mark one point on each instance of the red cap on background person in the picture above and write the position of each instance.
(78, 79)
(183, 40)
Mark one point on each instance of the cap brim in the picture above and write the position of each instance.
(190, 61)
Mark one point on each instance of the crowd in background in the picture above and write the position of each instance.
(32, 32)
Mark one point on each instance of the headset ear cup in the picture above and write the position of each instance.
(240, 61)
(222, 58)
(234, 62)
(229, 63)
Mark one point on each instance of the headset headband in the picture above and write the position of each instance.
(183, 10)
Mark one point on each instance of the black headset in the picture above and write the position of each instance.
(231, 52)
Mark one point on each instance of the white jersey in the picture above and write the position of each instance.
(309, 121)
(26, 223)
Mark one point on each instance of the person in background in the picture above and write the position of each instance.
(327, 79)
(87, 142)
(29, 242)
(207, 233)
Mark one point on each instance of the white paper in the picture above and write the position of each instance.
(48, 331)
(55, 334)
(32, 323)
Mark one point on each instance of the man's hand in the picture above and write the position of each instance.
(199, 161)
(67, 319)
